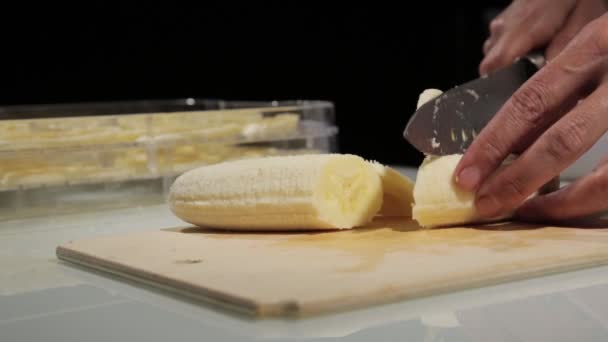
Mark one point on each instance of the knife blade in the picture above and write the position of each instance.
(449, 123)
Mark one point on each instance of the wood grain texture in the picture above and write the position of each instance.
(299, 274)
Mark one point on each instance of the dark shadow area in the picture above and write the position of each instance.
(371, 59)
(590, 222)
(207, 230)
(407, 225)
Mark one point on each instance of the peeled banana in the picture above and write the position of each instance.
(438, 201)
(297, 192)
(397, 191)
(315, 191)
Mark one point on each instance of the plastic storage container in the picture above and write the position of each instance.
(64, 158)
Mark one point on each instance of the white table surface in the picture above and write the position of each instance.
(42, 299)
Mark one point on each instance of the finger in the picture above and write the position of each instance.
(513, 43)
(583, 13)
(527, 140)
(526, 27)
(487, 45)
(497, 25)
(555, 150)
(603, 161)
(584, 197)
(531, 109)
(504, 51)
(496, 29)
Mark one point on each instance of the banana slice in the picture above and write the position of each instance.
(397, 190)
(438, 200)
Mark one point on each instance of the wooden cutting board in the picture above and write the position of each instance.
(309, 273)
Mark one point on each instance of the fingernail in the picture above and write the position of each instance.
(487, 206)
(489, 59)
(482, 69)
(486, 46)
(494, 51)
(468, 178)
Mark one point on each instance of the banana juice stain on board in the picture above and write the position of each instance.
(402, 237)
(384, 236)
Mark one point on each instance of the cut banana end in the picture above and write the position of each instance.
(397, 189)
(348, 193)
(440, 202)
(324, 191)
(427, 95)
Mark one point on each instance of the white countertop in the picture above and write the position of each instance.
(44, 299)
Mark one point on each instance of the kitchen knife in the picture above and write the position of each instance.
(449, 123)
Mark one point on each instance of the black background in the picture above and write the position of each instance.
(370, 59)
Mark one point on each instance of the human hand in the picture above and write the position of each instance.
(530, 24)
(556, 116)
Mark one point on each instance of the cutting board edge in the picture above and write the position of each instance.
(293, 309)
(340, 304)
(240, 306)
